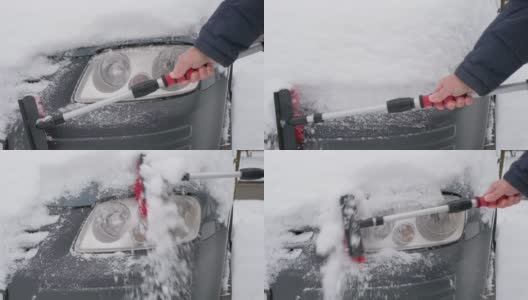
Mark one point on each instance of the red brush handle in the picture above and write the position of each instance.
(425, 102)
(483, 203)
(168, 80)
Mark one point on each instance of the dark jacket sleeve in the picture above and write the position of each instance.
(234, 26)
(501, 50)
(517, 175)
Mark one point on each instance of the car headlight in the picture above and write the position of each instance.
(414, 233)
(115, 226)
(114, 71)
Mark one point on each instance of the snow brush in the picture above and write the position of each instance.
(139, 186)
(290, 123)
(349, 210)
(35, 124)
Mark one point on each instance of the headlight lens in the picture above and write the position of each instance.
(113, 71)
(438, 226)
(114, 226)
(414, 233)
(110, 221)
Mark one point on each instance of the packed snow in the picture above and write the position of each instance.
(511, 115)
(303, 189)
(248, 94)
(352, 54)
(248, 250)
(32, 181)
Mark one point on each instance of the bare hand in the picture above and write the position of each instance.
(451, 86)
(193, 58)
(500, 188)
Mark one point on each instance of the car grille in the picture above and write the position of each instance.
(178, 138)
(438, 289)
(424, 129)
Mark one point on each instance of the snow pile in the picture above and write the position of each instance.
(248, 250)
(33, 28)
(306, 193)
(355, 54)
(167, 270)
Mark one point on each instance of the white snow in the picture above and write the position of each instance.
(248, 250)
(512, 243)
(303, 189)
(351, 54)
(511, 115)
(248, 98)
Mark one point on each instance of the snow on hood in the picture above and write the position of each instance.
(32, 29)
(352, 54)
(306, 193)
(30, 181)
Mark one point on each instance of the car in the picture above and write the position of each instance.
(73, 262)
(459, 268)
(424, 129)
(189, 116)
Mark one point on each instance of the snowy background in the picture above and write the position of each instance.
(33, 29)
(360, 53)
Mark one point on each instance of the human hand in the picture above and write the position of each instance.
(193, 58)
(502, 188)
(451, 86)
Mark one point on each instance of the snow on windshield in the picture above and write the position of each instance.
(360, 53)
(31, 181)
(31, 29)
(306, 193)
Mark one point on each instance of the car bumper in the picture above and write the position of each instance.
(57, 273)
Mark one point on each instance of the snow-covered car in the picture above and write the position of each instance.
(457, 264)
(189, 116)
(86, 257)
(447, 257)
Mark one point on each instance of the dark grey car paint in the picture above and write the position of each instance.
(55, 272)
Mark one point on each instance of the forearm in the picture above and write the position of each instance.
(501, 50)
(517, 175)
(234, 26)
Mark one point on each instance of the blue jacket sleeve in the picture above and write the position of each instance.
(233, 27)
(517, 175)
(501, 50)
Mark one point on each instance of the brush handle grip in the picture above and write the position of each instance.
(483, 203)
(251, 173)
(169, 81)
(425, 102)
